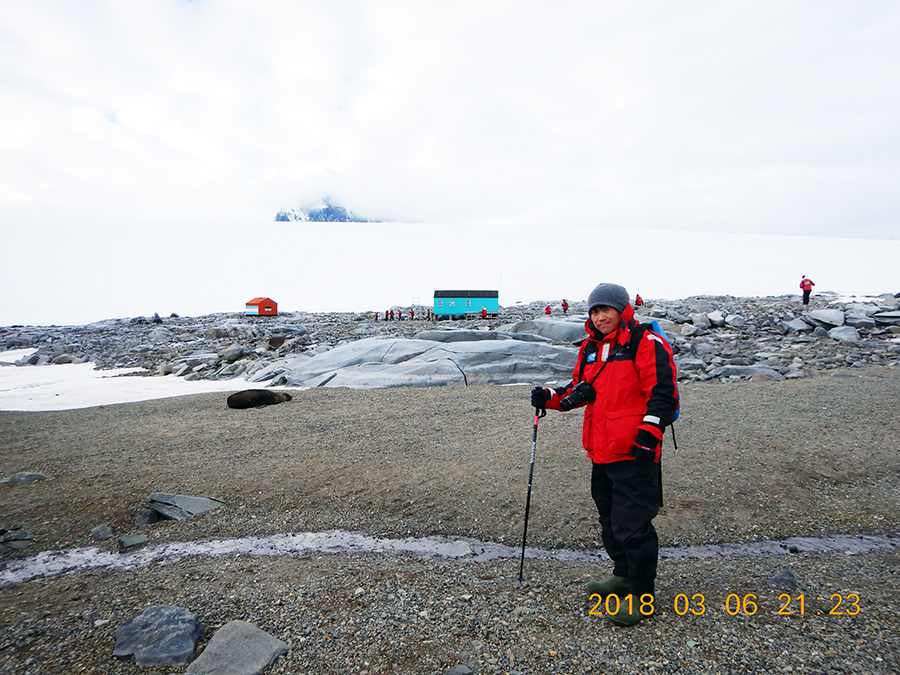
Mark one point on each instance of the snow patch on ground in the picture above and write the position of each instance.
(78, 385)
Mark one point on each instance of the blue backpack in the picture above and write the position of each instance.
(636, 334)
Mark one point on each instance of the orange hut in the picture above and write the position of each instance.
(262, 307)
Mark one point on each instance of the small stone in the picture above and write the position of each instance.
(103, 532)
(785, 578)
(132, 540)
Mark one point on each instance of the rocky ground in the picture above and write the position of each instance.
(756, 460)
(711, 335)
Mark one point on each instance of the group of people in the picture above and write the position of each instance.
(390, 315)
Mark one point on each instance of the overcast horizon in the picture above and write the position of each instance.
(141, 130)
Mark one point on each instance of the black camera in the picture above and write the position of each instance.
(582, 393)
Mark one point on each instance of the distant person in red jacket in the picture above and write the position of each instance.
(638, 300)
(392, 315)
(547, 309)
(483, 313)
(806, 285)
(565, 306)
(412, 315)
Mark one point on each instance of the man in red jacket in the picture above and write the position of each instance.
(806, 285)
(629, 390)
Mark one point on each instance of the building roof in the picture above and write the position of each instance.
(467, 294)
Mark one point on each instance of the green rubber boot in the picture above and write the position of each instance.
(611, 586)
(625, 618)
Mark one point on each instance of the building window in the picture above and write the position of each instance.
(453, 303)
(468, 303)
(440, 303)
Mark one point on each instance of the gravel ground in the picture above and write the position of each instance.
(756, 460)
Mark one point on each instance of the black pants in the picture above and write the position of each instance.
(806, 297)
(627, 499)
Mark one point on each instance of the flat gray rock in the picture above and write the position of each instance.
(22, 478)
(890, 318)
(860, 309)
(103, 532)
(798, 326)
(558, 331)
(844, 334)
(477, 336)
(747, 371)
(378, 362)
(690, 364)
(238, 648)
(858, 321)
(827, 318)
(163, 635)
(181, 507)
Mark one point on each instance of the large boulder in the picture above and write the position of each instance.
(558, 331)
(735, 321)
(860, 309)
(477, 336)
(747, 371)
(858, 321)
(844, 334)
(716, 318)
(889, 318)
(688, 363)
(380, 362)
(797, 326)
(826, 318)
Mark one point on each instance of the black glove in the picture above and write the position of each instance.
(539, 397)
(644, 448)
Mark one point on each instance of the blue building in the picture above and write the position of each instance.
(465, 304)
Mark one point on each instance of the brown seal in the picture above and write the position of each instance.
(256, 398)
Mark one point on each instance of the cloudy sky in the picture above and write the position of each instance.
(121, 117)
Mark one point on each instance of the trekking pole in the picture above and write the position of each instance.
(538, 413)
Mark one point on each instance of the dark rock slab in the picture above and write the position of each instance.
(238, 648)
(163, 635)
(23, 477)
(17, 541)
(747, 371)
(181, 507)
(132, 540)
(103, 532)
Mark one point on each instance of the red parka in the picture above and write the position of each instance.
(634, 390)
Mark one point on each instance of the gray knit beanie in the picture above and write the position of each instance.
(609, 295)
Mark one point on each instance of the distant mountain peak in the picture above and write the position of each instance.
(327, 212)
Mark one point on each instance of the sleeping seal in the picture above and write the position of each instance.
(256, 398)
